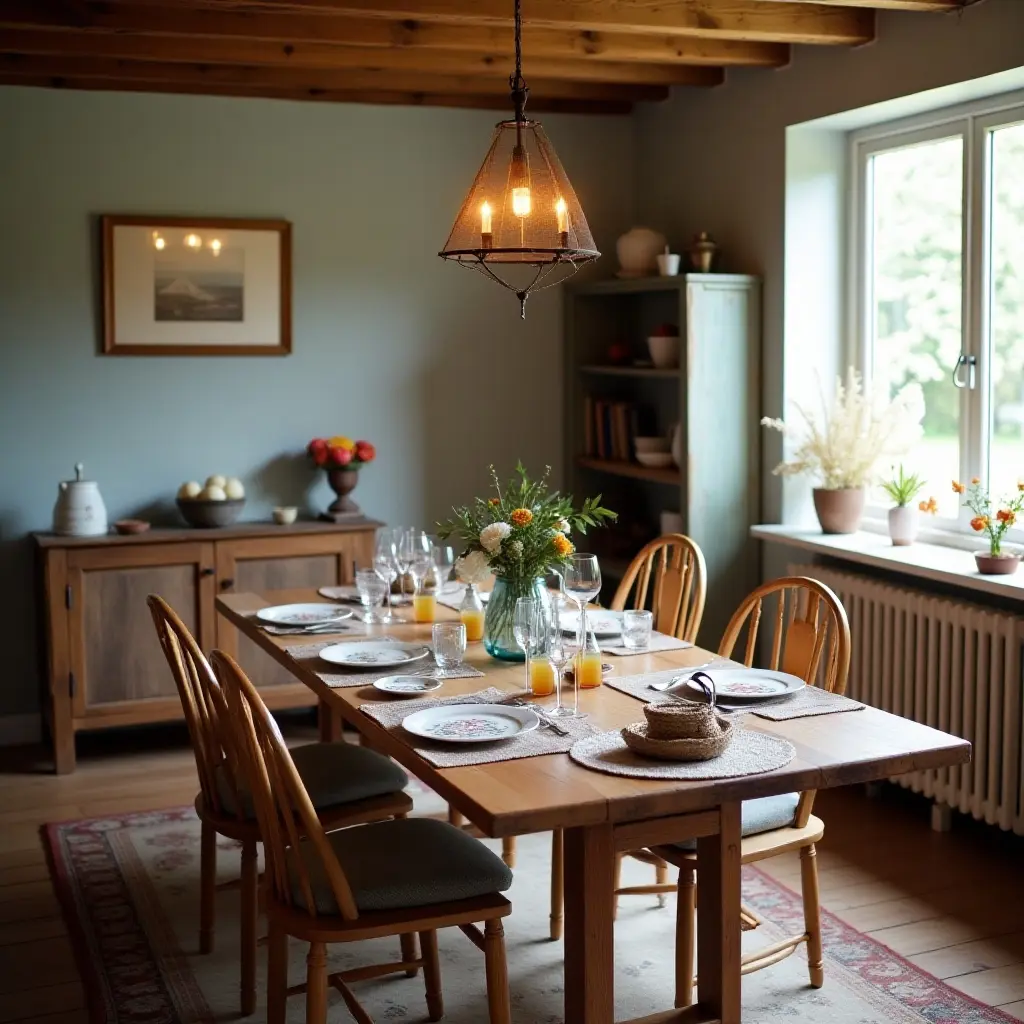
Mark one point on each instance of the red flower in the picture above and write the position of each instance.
(340, 456)
(1006, 515)
(365, 452)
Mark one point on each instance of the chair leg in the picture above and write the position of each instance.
(249, 898)
(617, 884)
(661, 878)
(454, 817)
(498, 1004)
(686, 907)
(508, 850)
(409, 952)
(812, 914)
(207, 886)
(432, 975)
(277, 975)
(316, 984)
(557, 883)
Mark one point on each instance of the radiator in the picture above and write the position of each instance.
(949, 664)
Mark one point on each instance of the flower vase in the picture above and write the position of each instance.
(839, 510)
(343, 509)
(1002, 564)
(902, 525)
(499, 620)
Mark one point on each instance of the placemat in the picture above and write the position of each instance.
(367, 677)
(658, 642)
(443, 755)
(638, 685)
(750, 753)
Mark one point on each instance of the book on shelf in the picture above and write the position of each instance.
(610, 429)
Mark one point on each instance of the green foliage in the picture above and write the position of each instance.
(903, 487)
(988, 518)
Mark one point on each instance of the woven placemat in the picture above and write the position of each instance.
(658, 642)
(639, 685)
(750, 753)
(367, 677)
(443, 755)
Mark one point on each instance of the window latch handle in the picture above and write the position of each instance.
(971, 363)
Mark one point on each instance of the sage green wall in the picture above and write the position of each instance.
(426, 359)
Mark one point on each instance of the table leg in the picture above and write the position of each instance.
(589, 925)
(718, 919)
(329, 722)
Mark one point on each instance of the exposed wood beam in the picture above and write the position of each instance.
(319, 30)
(391, 97)
(259, 78)
(897, 5)
(785, 21)
(177, 49)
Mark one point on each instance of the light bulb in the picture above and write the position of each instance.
(521, 202)
(158, 242)
(562, 213)
(485, 219)
(193, 241)
(215, 246)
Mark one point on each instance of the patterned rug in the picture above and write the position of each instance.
(129, 888)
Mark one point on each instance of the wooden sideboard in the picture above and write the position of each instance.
(103, 663)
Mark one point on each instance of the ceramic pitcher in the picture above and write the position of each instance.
(79, 511)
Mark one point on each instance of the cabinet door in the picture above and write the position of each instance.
(118, 667)
(287, 563)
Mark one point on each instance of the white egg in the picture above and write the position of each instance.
(212, 493)
(215, 481)
(234, 489)
(189, 490)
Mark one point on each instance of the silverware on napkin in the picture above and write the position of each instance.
(662, 687)
(518, 702)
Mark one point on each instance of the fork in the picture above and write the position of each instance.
(517, 702)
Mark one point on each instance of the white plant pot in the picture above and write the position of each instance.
(664, 351)
(902, 525)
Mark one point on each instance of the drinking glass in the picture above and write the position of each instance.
(371, 589)
(526, 629)
(636, 629)
(449, 647)
(582, 578)
(385, 564)
(559, 655)
(404, 551)
(444, 560)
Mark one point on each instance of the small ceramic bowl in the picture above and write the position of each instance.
(654, 460)
(652, 444)
(285, 515)
(129, 526)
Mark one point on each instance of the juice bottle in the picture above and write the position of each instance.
(424, 607)
(471, 612)
(587, 664)
(542, 677)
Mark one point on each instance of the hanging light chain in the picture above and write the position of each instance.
(517, 83)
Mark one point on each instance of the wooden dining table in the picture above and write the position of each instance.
(603, 814)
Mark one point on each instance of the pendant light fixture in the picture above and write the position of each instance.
(521, 210)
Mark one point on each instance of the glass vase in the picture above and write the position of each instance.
(499, 639)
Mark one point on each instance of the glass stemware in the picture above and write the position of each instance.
(582, 579)
(559, 655)
(385, 565)
(526, 629)
(444, 560)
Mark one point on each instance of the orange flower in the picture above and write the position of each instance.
(931, 506)
(1006, 515)
(978, 523)
(521, 517)
(562, 545)
(1020, 485)
(958, 487)
(494, 501)
(975, 480)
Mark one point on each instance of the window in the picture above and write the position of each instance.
(939, 288)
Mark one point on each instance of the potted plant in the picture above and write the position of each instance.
(520, 533)
(903, 487)
(844, 445)
(342, 458)
(995, 561)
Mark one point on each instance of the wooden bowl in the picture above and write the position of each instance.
(129, 526)
(210, 514)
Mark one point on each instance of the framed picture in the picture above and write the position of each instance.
(195, 286)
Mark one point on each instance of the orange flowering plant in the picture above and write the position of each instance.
(339, 451)
(994, 520)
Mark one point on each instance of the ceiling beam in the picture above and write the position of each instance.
(785, 21)
(176, 49)
(897, 5)
(301, 79)
(319, 31)
(375, 96)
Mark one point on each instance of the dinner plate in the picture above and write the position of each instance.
(408, 686)
(748, 685)
(373, 655)
(605, 624)
(471, 723)
(314, 614)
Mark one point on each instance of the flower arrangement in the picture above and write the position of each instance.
(341, 452)
(996, 523)
(903, 487)
(844, 443)
(929, 507)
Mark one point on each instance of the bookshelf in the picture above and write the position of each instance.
(713, 395)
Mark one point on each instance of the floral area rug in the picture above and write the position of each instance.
(129, 888)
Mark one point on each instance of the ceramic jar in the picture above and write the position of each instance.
(638, 250)
(79, 510)
(903, 525)
(839, 510)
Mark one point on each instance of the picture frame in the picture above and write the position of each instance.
(196, 286)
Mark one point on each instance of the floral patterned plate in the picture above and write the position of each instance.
(314, 614)
(408, 686)
(367, 654)
(747, 685)
(471, 723)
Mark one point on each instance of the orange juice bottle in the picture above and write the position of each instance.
(542, 677)
(471, 612)
(424, 607)
(587, 664)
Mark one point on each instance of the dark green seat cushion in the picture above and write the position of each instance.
(762, 815)
(333, 774)
(411, 862)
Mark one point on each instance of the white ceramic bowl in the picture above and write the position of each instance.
(652, 444)
(286, 515)
(664, 352)
(654, 460)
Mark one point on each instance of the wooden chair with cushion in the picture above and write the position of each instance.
(388, 878)
(348, 784)
(810, 638)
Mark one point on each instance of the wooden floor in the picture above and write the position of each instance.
(949, 902)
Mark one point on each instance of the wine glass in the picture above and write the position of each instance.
(582, 578)
(444, 559)
(559, 655)
(385, 564)
(526, 629)
(415, 552)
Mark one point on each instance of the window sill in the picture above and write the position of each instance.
(953, 566)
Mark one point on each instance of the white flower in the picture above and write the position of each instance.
(563, 526)
(472, 568)
(492, 536)
(515, 549)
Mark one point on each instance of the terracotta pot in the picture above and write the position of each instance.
(839, 511)
(343, 482)
(902, 525)
(996, 565)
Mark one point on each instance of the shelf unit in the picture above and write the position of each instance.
(713, 395)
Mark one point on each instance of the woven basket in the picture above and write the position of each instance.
(675, 721)
(702, 749)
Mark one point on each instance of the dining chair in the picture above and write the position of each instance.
(348, 784)
(810, 638)
(386, 878)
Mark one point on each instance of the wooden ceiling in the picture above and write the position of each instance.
(597, 56)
